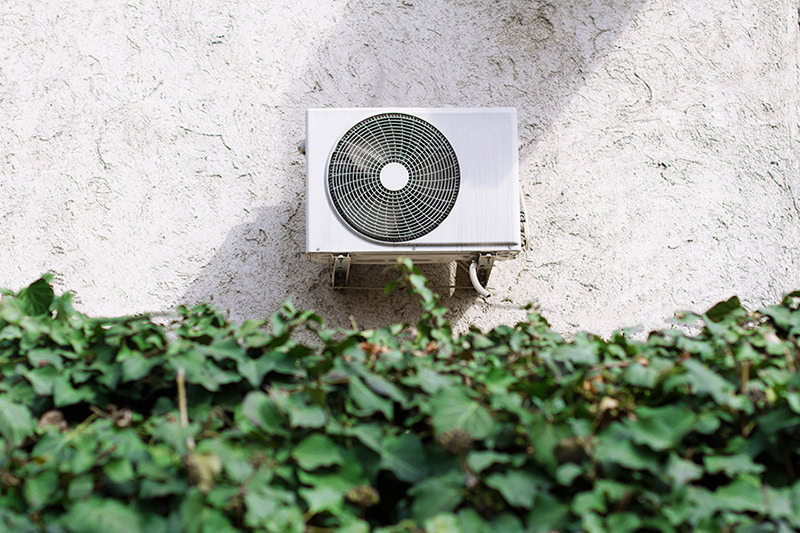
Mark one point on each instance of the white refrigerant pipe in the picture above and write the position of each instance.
(473, 277)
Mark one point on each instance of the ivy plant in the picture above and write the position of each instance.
(201, 425)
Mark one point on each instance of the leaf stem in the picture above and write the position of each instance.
(182, 409)
(745, 376)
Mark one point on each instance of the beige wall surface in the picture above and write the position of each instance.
(148, 149)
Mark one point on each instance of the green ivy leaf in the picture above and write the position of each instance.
(548, 514)
(436, 495)
(271, 508)
(150, 488)
(479, 461)
(566, 473)
(191, 512)
(80, 487)
(780, 418)
(452, 408)
(119, 470)
(507, 523)
(469, 521)
(780, 504)
(381, 386)
(261, 411)
(214, 521)
(97, 515)
(732, 465)
(353, 525)
(661, 428)
(403, 455)
(16, 422)
(431, 381)
(202, 371)
(615, 445)
(42, 379)
(722, 309)
(83, 456)
(783, 317)
(370, 435)
(234, 458)
(707, 423)
(706, 381)
(518, 487)
(322, 499)
(65, 394)
(254, 370)
(350, 474)
(39, 489)
(641, 376)
(583, 355)
(10, 332)
(543, 433)
(35, 299)
(743, 494)
(226, 348)
(136, 366)
(442, 523)
(306, 416)
(367, 401)
(584, 502)
(680, 471)
(623, 522)
(317, 450)
(173, 434)
(40, 357)
(793, 399)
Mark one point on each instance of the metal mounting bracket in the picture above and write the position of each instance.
(340, 274)
(523, 230)
(485, 264)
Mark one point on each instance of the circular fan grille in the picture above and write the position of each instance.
(393, 177)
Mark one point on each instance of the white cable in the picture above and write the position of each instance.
(473, 277)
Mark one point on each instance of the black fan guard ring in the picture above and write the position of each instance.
(376, 211)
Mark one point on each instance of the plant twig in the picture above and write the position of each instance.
(80, 428)
(745, 376)
(182, 409)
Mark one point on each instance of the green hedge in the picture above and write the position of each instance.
(397, 429)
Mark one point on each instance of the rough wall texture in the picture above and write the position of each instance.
(148, 149)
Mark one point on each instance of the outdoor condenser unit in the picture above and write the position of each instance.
(436, 185)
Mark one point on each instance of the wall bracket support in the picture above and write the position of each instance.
(485, 264)
(340, 273)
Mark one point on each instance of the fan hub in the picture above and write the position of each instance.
(394, 176)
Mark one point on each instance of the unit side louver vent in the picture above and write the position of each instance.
(393, 177)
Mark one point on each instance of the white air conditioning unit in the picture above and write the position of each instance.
(436, 185)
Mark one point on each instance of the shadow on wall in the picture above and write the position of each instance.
(532, 55)
(249, 280)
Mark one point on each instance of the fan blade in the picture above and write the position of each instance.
(364, 157)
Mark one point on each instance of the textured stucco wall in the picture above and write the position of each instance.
(148, 149)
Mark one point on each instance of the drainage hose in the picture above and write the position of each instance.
(473, 277)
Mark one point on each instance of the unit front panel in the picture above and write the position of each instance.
(485, 214)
